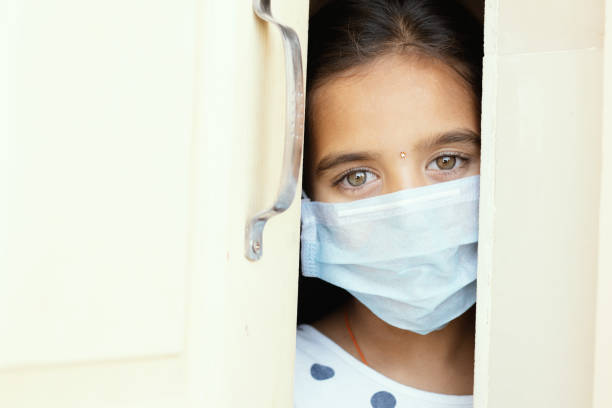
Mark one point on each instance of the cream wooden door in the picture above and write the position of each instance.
(544, 244)
(136, 139)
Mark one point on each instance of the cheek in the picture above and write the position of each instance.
(475, 166)
(320, 192)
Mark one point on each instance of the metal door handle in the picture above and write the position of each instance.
(294, 133)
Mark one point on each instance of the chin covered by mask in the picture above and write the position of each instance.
(408, 256)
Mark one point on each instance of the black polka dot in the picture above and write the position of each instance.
(383, 399)
(321, 372)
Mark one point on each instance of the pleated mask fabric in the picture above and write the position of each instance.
(408, 256)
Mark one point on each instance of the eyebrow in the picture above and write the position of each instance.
(453, 136)
(335, 159)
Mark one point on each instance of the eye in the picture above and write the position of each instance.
(355, 179)
(446, 162)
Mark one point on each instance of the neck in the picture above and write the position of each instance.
(441, 361)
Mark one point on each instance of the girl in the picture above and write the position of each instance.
(390, 212)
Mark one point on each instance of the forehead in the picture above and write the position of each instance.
(395, 100)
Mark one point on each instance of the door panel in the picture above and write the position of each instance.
(96, 225)
(139, 139)
(540, 219)
(544, 297)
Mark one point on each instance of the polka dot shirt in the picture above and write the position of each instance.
(326, 376)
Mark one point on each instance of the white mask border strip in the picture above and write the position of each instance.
(430, 197)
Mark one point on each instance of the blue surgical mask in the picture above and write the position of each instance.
(408, 256)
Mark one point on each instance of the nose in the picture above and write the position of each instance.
(403, 177)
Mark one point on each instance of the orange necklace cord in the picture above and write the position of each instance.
(348, 327)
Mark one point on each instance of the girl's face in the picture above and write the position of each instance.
(397, 123)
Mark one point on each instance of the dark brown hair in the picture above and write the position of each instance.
(348, 33)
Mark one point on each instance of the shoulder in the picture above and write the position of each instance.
(315, 368)
(322, 376)
(314, 346)
(309, 347)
